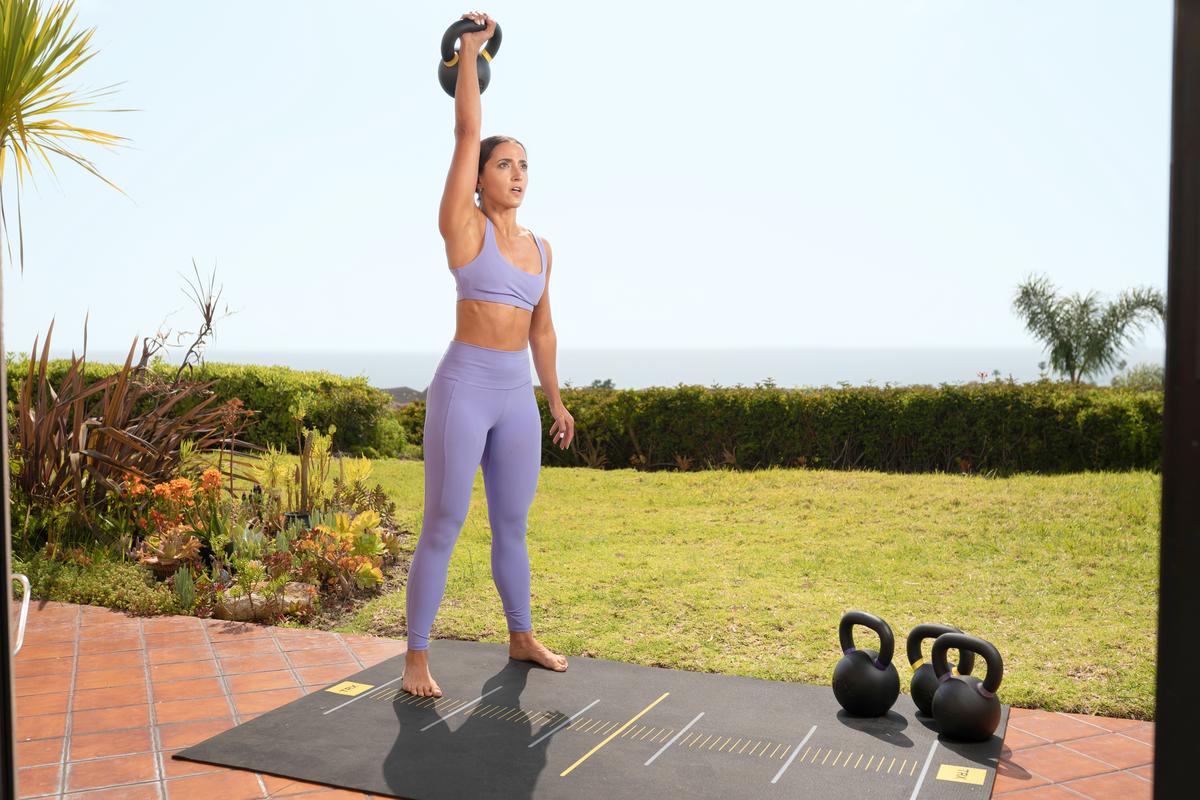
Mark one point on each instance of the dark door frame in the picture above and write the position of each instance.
(1176, 746)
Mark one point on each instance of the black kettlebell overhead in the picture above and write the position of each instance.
(865, 682)
(448, 66)
(924, 682)
(965, 708)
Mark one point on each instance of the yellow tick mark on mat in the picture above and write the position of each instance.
(612, 735)
(350, 688)
(947, 772)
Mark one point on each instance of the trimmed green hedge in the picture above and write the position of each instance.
(365, 423)
(1003, 428)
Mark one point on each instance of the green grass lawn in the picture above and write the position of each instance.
(749, 572)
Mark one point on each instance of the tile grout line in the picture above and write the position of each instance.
(1063, 741)
(1065, 715)
(287, 660)
(66, 748)
(237, 719)
(1115, 767)
(1043, 739)
(1132, 739)
(156, 757)
(361, 664)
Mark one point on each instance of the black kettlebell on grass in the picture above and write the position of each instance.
(924, 682)
(965, 708)
(865, 682)
(448, 66)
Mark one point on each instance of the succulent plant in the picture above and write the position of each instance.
(164, 552)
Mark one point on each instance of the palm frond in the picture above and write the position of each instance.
(38, 52)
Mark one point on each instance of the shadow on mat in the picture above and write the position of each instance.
(466, 755)
(888, 728)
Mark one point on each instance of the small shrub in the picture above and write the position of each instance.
(121, 585)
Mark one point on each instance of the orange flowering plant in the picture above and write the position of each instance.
(180, 502)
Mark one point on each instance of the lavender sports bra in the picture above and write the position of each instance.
(490, 276)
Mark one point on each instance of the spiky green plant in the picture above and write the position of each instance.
(1085, 336)
(185, 588)
(38, 52)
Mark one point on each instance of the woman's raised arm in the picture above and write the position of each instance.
(458, 197)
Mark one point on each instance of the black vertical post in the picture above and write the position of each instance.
(8, 711)
(1177, 698)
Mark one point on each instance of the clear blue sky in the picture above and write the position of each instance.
(836, 174)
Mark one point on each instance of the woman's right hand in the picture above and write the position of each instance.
(473, 41)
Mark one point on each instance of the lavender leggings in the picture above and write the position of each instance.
(480, 410)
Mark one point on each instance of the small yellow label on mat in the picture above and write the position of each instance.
(349, 688)
(948, 772)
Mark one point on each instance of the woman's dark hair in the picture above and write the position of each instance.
(485, 152)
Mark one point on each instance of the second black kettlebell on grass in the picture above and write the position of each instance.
(924, 682)
(865, 682)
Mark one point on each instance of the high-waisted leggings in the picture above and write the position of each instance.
(480, 410)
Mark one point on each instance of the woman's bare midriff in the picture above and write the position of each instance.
(496, 325)
(480, 322)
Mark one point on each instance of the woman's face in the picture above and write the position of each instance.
(505, 171)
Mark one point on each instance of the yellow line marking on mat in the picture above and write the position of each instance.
(856, 763)
(638, 716)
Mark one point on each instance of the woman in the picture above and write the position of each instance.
(480, 407)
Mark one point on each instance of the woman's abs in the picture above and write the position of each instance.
(496, 325)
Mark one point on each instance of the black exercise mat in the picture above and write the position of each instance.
(512, 729)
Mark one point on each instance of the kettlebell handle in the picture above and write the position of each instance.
(964, 644)
(457, 29)
(918, 635)
(887, 644)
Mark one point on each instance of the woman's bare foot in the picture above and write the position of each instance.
(523, 647)
(417, 679)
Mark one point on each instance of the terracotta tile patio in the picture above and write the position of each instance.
(104, 698)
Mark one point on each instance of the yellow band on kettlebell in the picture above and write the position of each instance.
(487, 55)
(954, 671)
(917, 664)
(452, 61)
